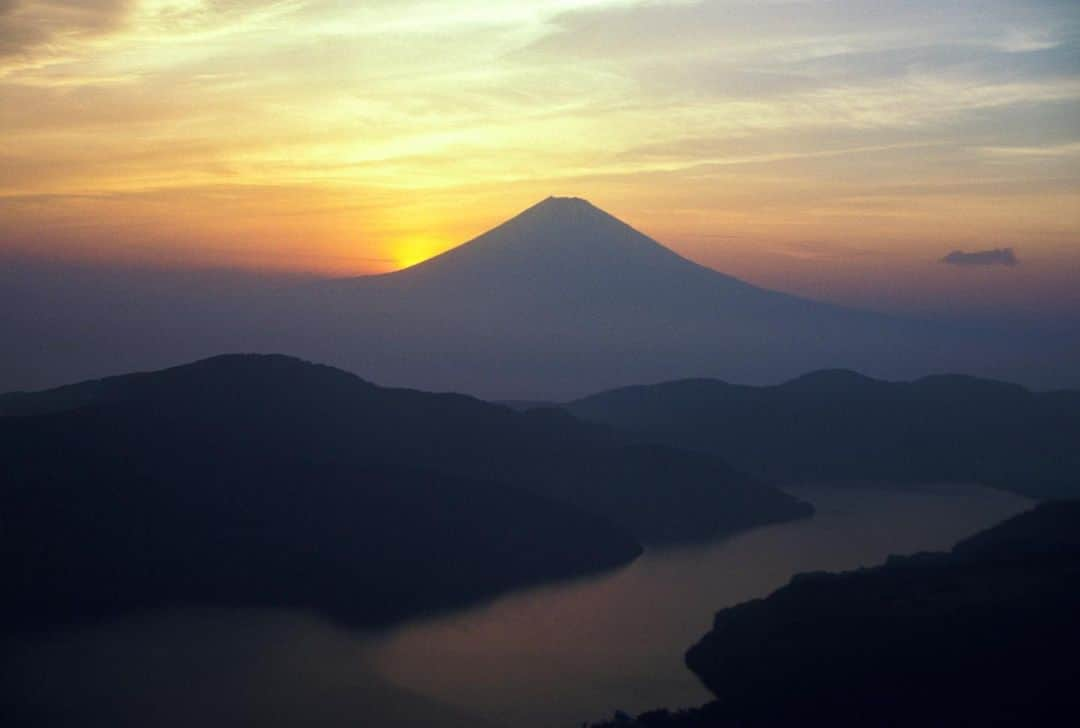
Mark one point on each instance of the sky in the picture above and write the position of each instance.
(915, 155)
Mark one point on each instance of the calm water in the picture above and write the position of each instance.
(553, 656)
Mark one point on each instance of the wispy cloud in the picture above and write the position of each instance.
(905, 127)
(27, 25)
(997, 256)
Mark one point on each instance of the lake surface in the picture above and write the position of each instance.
(558, 655)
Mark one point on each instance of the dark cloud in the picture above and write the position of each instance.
(26, 25)
(997, 256)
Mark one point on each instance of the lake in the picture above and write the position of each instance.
(557, 655)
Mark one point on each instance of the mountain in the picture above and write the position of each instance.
(281, 404)
(565, 299)
(840, 425)
(558, 302)
(984, 635)
(104, 530)
(269, 480)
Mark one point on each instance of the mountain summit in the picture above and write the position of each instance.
(564, 299)
(566, 240)
(558, 302)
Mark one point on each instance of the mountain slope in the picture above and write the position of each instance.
(557, 302)
(236, 481)
(106, 513)
(565, 299)
(838, 425)
(232, 407)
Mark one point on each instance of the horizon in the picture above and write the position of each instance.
(256, 359)
(542, 306)
(966, 307)
(908, 158)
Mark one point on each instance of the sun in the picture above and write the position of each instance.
(409, 251)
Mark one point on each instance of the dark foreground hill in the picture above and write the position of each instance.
(268, 480)
(98, 533)
(984, 635)
(839, 425)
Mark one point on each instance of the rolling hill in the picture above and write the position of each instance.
(841, 425)
(269, 480)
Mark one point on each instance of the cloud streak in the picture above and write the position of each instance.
(336, 136)
(27, 25)
(996, 257)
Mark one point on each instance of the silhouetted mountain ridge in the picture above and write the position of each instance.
(1050, 530)
(566, 237)
(841, 425)
(266, 480)
(284, 404)
(191, 385)
(830, 381)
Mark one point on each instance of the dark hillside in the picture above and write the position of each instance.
(839, 425)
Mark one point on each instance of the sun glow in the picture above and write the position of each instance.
(352, 138)
(416, 249)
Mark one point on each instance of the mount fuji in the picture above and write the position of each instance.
(565, 299)
(559, 302)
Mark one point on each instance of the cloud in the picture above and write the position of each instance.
(27, 25)
(997, 256)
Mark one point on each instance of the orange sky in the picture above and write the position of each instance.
(836, 149)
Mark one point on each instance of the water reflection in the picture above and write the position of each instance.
(553, 656)
(215, 667)
(559, 655)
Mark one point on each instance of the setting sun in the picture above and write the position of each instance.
(298, 135)
(416, 249)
